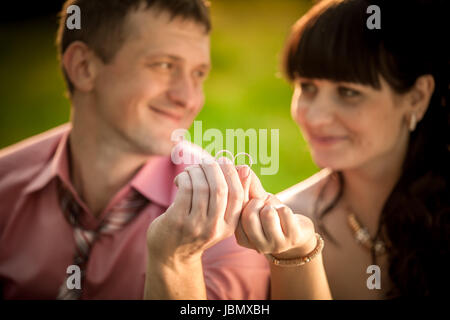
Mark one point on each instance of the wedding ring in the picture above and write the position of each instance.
(246, 154)
(224, 151)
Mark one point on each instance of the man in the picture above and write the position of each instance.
(78, 200)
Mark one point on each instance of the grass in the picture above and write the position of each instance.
(245, 89)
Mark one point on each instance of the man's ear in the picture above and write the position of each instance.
(79, 62)
(420, 95)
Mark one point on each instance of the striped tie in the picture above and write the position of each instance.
(116, 218)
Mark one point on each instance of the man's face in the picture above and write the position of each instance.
(154, 84)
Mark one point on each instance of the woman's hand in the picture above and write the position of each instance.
(271, 227)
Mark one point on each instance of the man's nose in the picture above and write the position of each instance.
(182, 91)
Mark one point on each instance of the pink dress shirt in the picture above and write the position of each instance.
(37, 243)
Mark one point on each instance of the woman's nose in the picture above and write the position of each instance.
(318, 112)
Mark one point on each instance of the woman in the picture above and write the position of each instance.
(373, 105)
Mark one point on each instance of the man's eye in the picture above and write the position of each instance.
(348, 93)
(163, 65)
(200, 74)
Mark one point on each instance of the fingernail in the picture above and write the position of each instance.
(244, 172)
(278, 206)
(224, 160)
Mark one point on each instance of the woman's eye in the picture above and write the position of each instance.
(348, 93)
(307, 88)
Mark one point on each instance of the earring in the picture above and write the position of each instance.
(412, 122)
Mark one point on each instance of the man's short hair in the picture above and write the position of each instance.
(102, 23)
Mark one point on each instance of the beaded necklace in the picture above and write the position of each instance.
(362, 236)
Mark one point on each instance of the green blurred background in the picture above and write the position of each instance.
(245, 88)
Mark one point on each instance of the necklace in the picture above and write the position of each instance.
(363, 238)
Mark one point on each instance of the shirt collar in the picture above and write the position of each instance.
(57, 166)
(154, 180)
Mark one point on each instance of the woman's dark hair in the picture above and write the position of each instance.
(332, 41)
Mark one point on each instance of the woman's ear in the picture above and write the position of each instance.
(420, 95)
(80, 66)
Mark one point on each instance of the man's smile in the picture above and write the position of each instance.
(176, 117)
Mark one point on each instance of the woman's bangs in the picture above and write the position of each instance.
(333, 43)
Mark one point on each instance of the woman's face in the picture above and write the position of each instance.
(348, 125)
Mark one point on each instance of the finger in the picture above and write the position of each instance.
(183, 197)
(305, 228)
(218, 189)
(256, 190)
(272, 229)
(288, 222)
(241, 237)
(273, 201)
(297, 228)
(244, 172)
(251, 224)
(200, 192)
(235, 191)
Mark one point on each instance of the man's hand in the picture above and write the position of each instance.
(206, 210)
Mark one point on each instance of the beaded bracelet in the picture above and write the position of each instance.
(299, 261)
